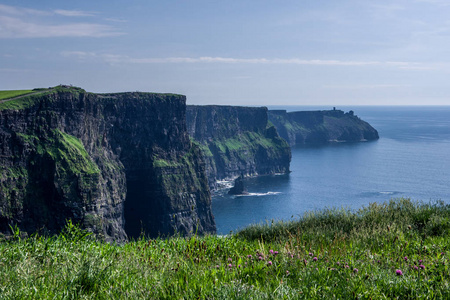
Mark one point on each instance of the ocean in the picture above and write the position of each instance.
(411, 159)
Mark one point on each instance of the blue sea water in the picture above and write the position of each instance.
(411, 159)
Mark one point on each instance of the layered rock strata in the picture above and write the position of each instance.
(118, 164)
(321, 127)
(237, 140)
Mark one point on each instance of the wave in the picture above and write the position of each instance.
(224, 184)
(258, 194)
(389, 192)
(379, 193)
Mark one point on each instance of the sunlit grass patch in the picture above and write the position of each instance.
(13, 93)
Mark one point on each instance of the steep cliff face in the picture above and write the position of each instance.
(116, 163)
(320, 127)
(237, 140)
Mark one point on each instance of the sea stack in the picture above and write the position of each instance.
(239, 187)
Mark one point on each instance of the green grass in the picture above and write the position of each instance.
(395, 250)
(13, 93)
(248, 141)
(162, 163)
(204, 148)
(68, 151)
(23, 102)
(30, 97)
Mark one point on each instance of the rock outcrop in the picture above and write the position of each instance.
(237, 140)
(239, 187)
(118, 164)
(321, 127)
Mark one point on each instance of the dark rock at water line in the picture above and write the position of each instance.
(237, 140)
(239, 187)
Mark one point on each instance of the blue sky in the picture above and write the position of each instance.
(316, 52)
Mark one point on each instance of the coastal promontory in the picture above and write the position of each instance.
(321, 127)
(237, 140)
(121, 165)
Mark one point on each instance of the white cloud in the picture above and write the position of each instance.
(123, 59)
(20, 11)
(366, 86)
(17, 22)
(74, 13)
(16, 28)
(116, 20)
(79, 54)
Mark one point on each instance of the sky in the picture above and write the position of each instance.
(236, 52)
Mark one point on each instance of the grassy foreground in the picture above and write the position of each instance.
(398, 249)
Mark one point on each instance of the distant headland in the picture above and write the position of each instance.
(123, 164)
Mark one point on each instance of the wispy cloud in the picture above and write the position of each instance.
(116, 20)
(18, 22)
(79, 54)
(436, 2)
(21, 11)
(74, 13)
(118, 59)
(16, 28)
(366, 86)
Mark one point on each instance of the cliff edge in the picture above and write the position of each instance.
(119, 164)
(321, 127)
(237, 140)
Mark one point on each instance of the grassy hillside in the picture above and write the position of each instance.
(25, 98)
(13, 93)
(19, 99)
(398, 249)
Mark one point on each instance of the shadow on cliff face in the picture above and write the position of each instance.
(140, 206)
(133, 213)
(68, 154)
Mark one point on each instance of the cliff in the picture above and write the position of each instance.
(321, 127)
(237, 140)
(115, 163)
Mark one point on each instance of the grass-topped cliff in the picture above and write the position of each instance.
(321, 127)
(237, 140)
(395, 250)
(118, 164)
(13, 93)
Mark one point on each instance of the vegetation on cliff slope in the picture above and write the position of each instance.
(398, 249)
(73, 168)
(320, 127)
(246, 144)
(248, 152)
(20, 99)
(13, 93)
(67, 153)
(237, 140)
